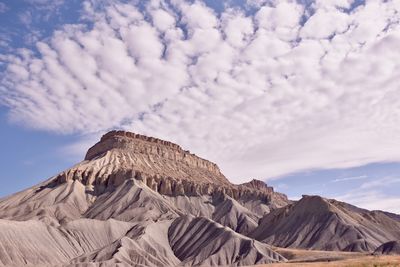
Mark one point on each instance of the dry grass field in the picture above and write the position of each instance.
(310, 258)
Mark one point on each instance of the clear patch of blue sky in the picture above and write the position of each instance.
(28, 157)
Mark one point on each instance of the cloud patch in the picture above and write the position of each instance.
(352, 178)
(371, 195)
(263, 94)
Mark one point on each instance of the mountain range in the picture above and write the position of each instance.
(141, 201)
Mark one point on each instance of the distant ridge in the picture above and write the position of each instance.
(325, 224)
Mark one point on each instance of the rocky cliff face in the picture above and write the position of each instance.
(155, 149)
(163, 166)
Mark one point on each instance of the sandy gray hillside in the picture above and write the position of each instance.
(392, 215)
(137, 201)
(325, 224)
(141, 201)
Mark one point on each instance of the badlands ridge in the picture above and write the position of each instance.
(141, 201)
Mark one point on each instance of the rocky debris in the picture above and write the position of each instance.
(388, 248)
(322, 224)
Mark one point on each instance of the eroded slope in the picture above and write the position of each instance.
(317, 223)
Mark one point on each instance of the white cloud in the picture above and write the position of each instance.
(282, 15)
(382, 182)
(237, 28)
(163, 20)
(352, 178)
(262, 95)
(329, 4)
(324, 24)
(197, 15)
(373, 195)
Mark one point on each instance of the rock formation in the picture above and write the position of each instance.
(148, 157)
(258, 185)
(167, 169)
(128, 202)
(163, 166)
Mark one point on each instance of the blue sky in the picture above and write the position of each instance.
(30, 156)
(302, 94)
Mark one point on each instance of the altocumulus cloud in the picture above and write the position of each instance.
(265, 93)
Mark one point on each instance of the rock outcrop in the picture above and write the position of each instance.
(151, 156)
(258, 185)
(163, 166)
